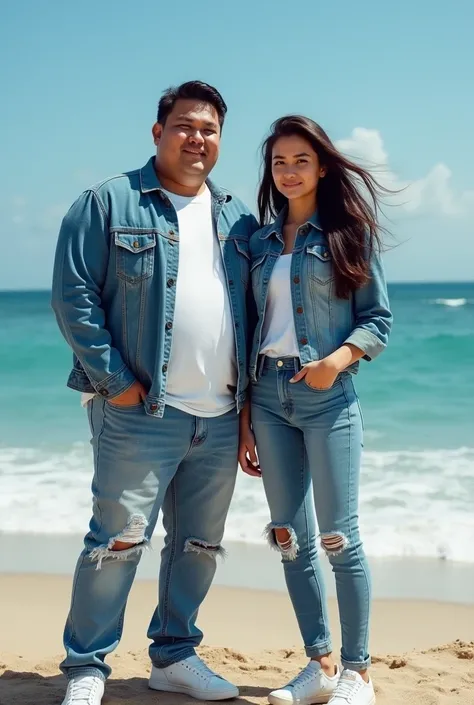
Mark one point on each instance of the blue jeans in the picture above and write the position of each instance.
(309, 444)
(181, 464)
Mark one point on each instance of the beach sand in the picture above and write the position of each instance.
(421, 650)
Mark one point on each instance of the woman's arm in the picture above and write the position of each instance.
(372, 313)
(369, 337)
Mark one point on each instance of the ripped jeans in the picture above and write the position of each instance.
(181, 464)
(309, 444)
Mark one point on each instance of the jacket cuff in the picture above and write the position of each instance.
(115, 384)
(367, 342)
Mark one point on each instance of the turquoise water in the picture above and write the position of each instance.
(417, 400)
(418, 394)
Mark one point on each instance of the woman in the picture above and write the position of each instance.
(321, 300)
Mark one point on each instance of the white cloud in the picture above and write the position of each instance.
(431, 194)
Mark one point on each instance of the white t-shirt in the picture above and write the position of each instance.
(278, 334)
(202, 362)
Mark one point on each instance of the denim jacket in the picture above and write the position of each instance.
(114, 283)
(323, 322)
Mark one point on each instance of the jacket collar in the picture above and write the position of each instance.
(149, 182)
(277, 227)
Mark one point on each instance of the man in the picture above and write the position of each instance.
(149, 291)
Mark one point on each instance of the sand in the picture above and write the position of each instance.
(421, 650)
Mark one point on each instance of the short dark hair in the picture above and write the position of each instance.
(191, 90)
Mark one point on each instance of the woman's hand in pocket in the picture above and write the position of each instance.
(320, 374)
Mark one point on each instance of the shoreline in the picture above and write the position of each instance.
(251, 566)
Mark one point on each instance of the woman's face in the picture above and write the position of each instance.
(295, 167)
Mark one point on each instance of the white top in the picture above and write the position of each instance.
(202, 363)
(278, 334)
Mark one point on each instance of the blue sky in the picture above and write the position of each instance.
(390, 82)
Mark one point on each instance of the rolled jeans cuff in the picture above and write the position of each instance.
(356, 665)
(319, 649)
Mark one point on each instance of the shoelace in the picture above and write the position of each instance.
(82, 690)
(202, 670)
(306, 675)
(346, 689)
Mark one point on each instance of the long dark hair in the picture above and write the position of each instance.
(349, 220)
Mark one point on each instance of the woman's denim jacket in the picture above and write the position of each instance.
(323, 322)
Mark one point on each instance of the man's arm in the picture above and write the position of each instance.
(80, 268)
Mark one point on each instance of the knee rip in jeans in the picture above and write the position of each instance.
(334, 543)
(193, 545)
(132, 535)
(282, 538)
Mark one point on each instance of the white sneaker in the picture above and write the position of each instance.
(311, 686)
(193, 677)
(84, 690)
(353, 690)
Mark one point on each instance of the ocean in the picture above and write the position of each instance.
(417, 491)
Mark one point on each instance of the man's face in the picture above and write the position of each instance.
(188, 142)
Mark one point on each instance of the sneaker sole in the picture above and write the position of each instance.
(197, 694)
(320, 700)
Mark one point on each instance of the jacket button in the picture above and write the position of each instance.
(104, 392)
(304, 341)
(299, 309)
(296, 280)
(164, 368)
(136, 243)
(326, 255)
(170, 282)
(171, 232)
(153, 407)
(169, 325)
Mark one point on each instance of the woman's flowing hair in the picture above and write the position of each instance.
(349, 219)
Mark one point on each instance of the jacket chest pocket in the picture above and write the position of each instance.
(319, 263)
(135, 254)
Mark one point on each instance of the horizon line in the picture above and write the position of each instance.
(416, 282)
